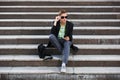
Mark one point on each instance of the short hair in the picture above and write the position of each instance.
(62, 11)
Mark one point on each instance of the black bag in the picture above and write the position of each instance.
(41, 50)
(75, 48)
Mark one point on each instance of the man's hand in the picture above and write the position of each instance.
(67, 38)
(57, 18)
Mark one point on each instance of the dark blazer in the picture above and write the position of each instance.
(68, 29)
(68, 32)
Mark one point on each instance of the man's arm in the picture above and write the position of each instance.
(57, 18)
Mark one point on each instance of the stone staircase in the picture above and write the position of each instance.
(26, 23)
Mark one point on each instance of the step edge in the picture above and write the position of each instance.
(79, 58)
(80, 46)
(77, 70)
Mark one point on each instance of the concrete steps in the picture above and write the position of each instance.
(78, 39)
(74, 61)
(36, 73)
(24, 24)
(55, 70)
(48, 15)
(59, 3)
(56, 8)
(83, 49)
(48, 22)
(98, 30)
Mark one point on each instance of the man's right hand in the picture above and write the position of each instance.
(57, 18)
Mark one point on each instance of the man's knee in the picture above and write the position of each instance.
(52, 36)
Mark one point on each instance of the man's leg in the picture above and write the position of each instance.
(55, 42)
(66, 52)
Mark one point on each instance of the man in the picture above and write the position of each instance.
(61, 36)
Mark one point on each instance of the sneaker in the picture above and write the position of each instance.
(63, 68)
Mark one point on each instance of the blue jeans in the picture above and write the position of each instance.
(62, 45)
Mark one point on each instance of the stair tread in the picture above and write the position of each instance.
(59, 6)
(46, 69)
(80, 46)
(63, 0)
(48, 28)
(54, 13)
(47, 36)
(50, 20)
(58, 57)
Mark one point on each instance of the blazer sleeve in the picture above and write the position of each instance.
(53, 29)
(69, 31)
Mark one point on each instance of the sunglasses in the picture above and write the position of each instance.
(62, 17)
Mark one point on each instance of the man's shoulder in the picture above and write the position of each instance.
(70, 23)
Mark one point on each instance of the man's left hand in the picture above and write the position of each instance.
(67, 38)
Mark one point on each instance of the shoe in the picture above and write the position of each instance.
(63, 68)
(48, 58)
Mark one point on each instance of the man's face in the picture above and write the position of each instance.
(63, 18)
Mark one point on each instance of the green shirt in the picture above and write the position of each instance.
(61, 32)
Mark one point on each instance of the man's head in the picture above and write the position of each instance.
(63, 16)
